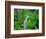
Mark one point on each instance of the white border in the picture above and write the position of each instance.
(26, 31)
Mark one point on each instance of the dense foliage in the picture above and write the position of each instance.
(32, 20)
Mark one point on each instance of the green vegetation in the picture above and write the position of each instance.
(32, 19)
